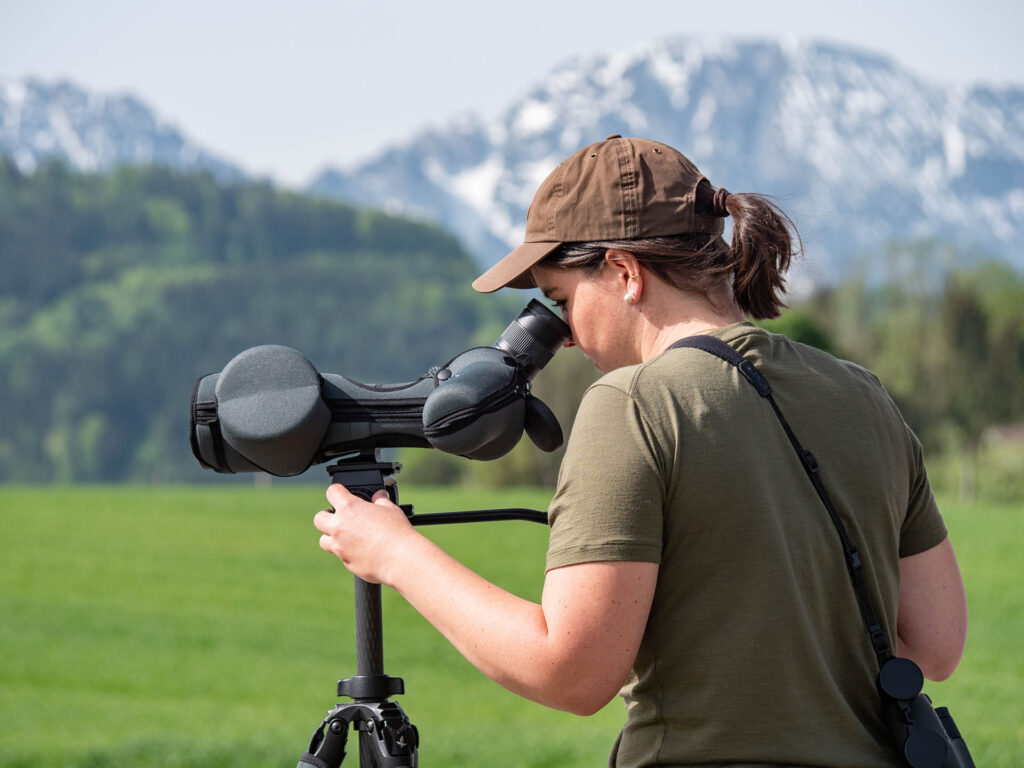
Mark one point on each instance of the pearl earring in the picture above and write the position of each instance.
(630, 295)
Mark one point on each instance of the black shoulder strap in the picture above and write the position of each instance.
(854, 564)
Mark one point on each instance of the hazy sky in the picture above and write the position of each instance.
(286, 88)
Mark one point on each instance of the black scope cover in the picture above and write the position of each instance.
(270, 409)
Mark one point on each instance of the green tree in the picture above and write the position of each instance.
(801, 325)
(120, 290)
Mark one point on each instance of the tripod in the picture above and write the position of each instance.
(386, 737)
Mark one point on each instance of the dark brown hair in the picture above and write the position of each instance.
(756, 262)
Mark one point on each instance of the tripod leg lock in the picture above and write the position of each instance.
(327, 745)
(384, 731)
(392, 738)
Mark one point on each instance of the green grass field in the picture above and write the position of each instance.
(204, 627)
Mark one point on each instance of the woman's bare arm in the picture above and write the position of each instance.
(932, 617)
(572, 651)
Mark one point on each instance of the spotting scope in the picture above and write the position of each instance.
(270, 410)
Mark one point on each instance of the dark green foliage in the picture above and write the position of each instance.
(945, 334)
(951, 354)
(118, 291)
(800, 325)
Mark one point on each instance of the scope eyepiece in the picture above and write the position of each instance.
(536, 334)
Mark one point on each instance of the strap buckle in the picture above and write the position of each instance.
(879, 640)
(809, 461)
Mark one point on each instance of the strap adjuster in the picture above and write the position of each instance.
(809, 461)
(879, 640)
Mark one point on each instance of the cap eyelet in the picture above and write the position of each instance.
(657, 151)
(593, 156)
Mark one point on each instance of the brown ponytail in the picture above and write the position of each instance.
(762, 248)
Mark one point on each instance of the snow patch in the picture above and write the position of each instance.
(673, 75)
(615, 68)
(25, 160)
(69, 140)
(497, 133)
(476, 186)
(865, 103)
(13, 95)
(705, 113)
(504, 229)
(1015, 203)
(394, 207)
(534, 117)
(13, 92)
(955, 147)
(635, 118)
(435, 172)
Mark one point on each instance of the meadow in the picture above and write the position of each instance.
(198, 627)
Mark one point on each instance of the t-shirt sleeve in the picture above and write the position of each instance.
(923, 527)
(611, 491)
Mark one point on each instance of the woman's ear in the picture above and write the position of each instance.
(626, 273)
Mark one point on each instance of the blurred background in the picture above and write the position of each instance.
(180, 181)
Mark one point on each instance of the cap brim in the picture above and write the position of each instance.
(513, 271)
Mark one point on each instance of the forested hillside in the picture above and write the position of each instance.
(119, 290)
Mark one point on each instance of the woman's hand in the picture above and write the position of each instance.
(366, 537)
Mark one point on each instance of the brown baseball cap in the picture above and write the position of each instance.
(615, 189)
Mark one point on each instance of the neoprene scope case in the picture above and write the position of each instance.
(271, 410)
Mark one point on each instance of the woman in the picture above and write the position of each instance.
(691, 564)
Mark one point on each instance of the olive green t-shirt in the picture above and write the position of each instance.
(755, 652)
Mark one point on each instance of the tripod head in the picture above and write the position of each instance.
(365, 473)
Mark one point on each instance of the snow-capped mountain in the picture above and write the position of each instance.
(92, 132)
(858, 150)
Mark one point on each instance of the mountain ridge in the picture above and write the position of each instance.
(93, 131)
(859, 150)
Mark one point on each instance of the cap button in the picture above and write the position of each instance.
(613, 136)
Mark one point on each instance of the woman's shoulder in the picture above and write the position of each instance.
(621, 380)
(775, 355)
(768, 349)
(778, 357)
